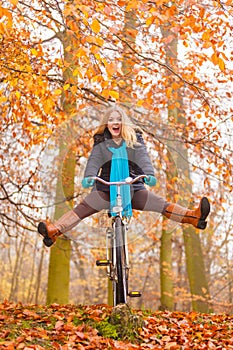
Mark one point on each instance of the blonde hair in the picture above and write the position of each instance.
(128, 130)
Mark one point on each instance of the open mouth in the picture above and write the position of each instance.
(116, 129)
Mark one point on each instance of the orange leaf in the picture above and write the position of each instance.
(14, 2)
(81, 52)
(105, 93)
(95, 26)
(110, 68)
(214, 58)
(221, 64)
(168, 92)
(206, 35)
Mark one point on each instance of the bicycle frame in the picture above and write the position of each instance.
(117, 257)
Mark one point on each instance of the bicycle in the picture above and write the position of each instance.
(117, 257)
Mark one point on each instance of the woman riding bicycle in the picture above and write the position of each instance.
(119, 151)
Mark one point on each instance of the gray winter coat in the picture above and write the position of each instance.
(99, 162)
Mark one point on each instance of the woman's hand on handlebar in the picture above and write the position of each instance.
(150, 180)
(87, 182)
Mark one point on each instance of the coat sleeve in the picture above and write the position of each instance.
(95, 160)
(142, 157)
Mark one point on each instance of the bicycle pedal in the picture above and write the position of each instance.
(103, 262)
(135, 294)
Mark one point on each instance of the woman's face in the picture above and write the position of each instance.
(115, 124)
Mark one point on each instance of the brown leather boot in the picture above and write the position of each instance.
(194, 217)
(51, 232)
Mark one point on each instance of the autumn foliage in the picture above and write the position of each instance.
(86, 55)
(88, 327)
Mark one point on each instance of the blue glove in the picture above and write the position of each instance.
(150, 181)
(87, 182)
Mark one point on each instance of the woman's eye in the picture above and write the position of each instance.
(110, 120)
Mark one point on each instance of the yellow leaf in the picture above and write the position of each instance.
(114, 94)
(97, 56)
(66, 87)
(18, 94)
(140, 102)
(95, 26)
(96, 78)
(150, 20)
(77, 72)
(58, 92)
(34, 52)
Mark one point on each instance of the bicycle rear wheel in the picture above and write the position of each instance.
(120, 285)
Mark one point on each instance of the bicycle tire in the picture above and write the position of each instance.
(120, 285)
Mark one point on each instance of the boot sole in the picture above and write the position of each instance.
(205, 210)
(42, 229)
(47, 242)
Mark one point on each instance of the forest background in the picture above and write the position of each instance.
(169, 63)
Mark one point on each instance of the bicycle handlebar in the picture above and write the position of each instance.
(127, 181)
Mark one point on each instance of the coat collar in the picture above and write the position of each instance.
(109, 140)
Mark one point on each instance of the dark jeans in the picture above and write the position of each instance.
(141, 200)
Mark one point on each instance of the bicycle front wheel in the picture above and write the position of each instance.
(120, 287)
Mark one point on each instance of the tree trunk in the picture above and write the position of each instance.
(166, 280)
(194, 257)
(196, 271)
(59, 264)
(38, 278)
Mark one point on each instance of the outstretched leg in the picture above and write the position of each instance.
(94, 202)
(196, 217)
(148, 201)
(51, 232)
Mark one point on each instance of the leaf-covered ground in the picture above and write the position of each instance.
(66, 327)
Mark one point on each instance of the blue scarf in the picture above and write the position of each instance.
(119, 172)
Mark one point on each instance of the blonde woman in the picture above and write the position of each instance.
(119, 151)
